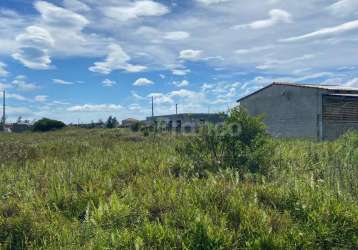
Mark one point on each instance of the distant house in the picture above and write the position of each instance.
(20, 127)
(127, 123)
(321, 112)
(186, 122)
(6, 128)
(17, 127)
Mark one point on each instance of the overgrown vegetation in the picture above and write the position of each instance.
(241, 144)
(45, 125)
(111, 122)
(111, 189)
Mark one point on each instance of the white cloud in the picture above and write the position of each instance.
(135, 107)
(344, 8)
(3, 71)
(33, 48)
(180, 84)
(60, 103)
(208, 2)
(253, 49)
(61, 82)
(184, 93)
(41, 98)
(108, 83)
(276, 16)
(116, 59)
(13, 96)
(271, 64)
(95, 108)
(183, 96)
(160, 98)
(176, 35)
(180, 72)
(156, 40)
(57, 16)
(76, 5)
(20, 83)
(5, 86)
(142, 82)
(133, 10)
(22, 111)
(314, 76)
(325, 32)
(352, 83)
(207, 86)
(67, 30)
(190, 54)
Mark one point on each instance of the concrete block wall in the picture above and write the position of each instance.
(288, 111)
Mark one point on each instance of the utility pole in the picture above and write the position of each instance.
(152, 106)
(176, 109)
(3, 112)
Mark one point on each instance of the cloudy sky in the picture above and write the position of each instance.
(82, 60)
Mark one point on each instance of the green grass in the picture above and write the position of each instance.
(110, 189)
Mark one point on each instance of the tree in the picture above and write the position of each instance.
(46, 124)
(111, 122)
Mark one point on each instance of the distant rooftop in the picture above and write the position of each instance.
(329, 87)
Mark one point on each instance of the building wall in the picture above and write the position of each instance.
(19, 128)
(186, 122)
(340, 114)
(288, 111)
(129, 122)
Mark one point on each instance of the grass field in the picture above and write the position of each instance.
(111, 189)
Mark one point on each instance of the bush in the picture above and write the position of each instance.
(45, 125)
(242, 143)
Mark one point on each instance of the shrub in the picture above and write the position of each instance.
(46, 124)
(241, 143)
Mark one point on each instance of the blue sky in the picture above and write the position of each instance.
(83, 60)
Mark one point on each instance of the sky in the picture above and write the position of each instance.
(83, 60)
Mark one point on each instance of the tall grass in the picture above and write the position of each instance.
(110, 189)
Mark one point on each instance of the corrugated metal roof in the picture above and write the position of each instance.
(314, 86)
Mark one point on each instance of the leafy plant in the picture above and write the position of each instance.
(46, 124)
(241, 143)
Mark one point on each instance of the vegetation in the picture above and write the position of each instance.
(111, 122)
(45, 125)
(137, 126)
(111, 189)
(241, 144)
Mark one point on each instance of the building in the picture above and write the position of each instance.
(20, 127)
(127, 123)
(6, 128)
(185, 122)
(322, 112)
